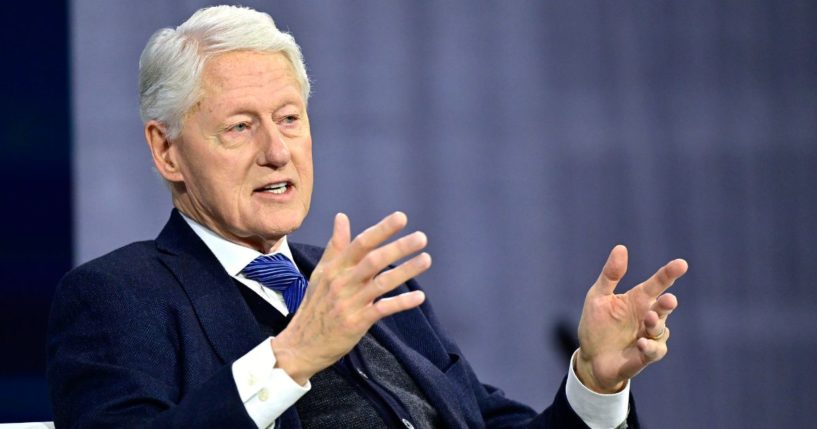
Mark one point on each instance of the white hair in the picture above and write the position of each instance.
(171, 64)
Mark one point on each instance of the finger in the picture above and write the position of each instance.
(664, 305)
(372, 237)
(395, 304)
(665, 277)
(391, 279)
(341, 236)
(379, 259)
(614, 269)
(653, 350)
(654, 326)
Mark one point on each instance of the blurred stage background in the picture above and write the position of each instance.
(526, 138)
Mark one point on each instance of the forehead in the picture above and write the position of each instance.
(246, 72)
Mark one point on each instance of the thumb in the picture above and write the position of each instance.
(613, 271)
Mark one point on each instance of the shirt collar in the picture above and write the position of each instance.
(233, 257)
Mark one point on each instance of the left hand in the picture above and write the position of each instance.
(620, 334)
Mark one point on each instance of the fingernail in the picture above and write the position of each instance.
(423, 260)
(420, 237)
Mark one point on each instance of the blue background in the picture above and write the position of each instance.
(526, 138)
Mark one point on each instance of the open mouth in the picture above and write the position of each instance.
(277, 188)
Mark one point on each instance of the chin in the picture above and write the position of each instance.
(279, 229)
(278, 222)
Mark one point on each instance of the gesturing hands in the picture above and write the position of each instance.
(341, 302)
(620, 334)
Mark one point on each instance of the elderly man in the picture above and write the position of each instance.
(213, 324)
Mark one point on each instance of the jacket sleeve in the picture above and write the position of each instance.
(113, 361)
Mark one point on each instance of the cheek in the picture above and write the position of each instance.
(214, 179)
(305, 173)
(304, 161)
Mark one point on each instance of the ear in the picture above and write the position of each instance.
(164, 151)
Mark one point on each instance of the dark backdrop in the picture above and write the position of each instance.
(527, 138)
(35, 249)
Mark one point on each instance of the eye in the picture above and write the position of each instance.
(289, 119)
(240, 127)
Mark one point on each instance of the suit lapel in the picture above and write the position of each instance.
(306, 257)
(224, 316)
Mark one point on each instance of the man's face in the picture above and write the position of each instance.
(245, 150)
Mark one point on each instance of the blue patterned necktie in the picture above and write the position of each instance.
(277, 272)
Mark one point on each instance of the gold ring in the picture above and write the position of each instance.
(660, 335)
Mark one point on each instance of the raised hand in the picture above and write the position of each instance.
(620, 334)
(341, 302)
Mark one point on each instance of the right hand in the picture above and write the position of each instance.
(341, 302)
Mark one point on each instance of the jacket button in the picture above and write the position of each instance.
(408, 424)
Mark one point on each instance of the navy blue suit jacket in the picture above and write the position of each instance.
(145, 337)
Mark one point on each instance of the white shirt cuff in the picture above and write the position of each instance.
(265, 390)
(598, 411)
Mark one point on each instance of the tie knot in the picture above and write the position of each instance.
(273, 271)
(277, 272)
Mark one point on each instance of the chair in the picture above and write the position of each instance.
(37, 425)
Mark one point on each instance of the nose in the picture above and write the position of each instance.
(274, 151)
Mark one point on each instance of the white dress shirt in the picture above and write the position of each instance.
(268, 391)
